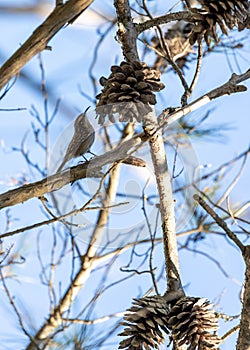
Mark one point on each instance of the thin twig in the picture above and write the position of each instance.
(12, 303)
(152, 237)
(217, 170)
(176, 16)
(95, 55)
(167, 55)
(196, 74)
(217, 263)
(234, 182)
(229, 333)
(60, 218)
(97, 320)
(220, 222)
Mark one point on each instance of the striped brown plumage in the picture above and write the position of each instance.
(82, 140)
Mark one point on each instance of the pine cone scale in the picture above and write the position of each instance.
(132, 82)
(226, 13)
(191, 321)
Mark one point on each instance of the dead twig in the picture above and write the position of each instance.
(220, 222)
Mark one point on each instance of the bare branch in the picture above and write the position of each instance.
(97, 320)
(220, 222)
(196, 74)
(176, 16)
(19, 316)
(58, 180)
(55, 319)
(126, 30)
(230, 332)
(55, 182)
(243, 342)
(225, 89)
(127, 35)
(38, 41)
(59, 218)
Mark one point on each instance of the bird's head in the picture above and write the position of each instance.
(81, 121)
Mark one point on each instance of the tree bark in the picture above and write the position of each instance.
(243, 342)
(38, 41)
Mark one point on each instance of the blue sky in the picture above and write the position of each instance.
(66, 69)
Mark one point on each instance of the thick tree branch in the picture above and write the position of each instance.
(127, 35)
(49, 184)
(164, 185)
(243, 342)
(126, 30)
(57, 181)
(38, 41)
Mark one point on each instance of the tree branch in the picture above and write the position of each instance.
(97, 320)
(58, 180)
(126, 30)
(243, 342)
(187, 16)
(38, 41)
(220, 222)
(228, 88)
(127, 36)
(59, 218)
(55, 319)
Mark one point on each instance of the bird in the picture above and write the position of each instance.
(82, 140)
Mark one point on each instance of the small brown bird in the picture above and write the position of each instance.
(82, 140)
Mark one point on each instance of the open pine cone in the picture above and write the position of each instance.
(177, 41)
(226, 13)
(145, 322)
(193, 322)
(128, 91)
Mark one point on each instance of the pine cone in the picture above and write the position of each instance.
(145, 321)
(129, 91)
(177, 40)
(226, 13)
(191, 321)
